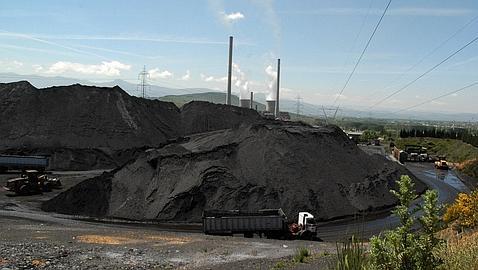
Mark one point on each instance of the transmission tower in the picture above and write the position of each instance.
(298, 104)
(143, 77)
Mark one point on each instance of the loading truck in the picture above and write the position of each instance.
(15, 162)
(272, 223)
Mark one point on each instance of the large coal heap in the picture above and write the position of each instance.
(262, 165)
(87, 127)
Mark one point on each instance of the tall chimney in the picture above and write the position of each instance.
(229, 73)
(252, 100)
(277, 110)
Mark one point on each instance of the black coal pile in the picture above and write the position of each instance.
(86, 127)
(262, 165)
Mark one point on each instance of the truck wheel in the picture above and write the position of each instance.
(23, 190)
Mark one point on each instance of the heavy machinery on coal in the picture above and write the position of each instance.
(32, 182)
(16, 162)
(271, 223)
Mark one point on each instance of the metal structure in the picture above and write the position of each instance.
(15, 162)
(143, 77)
(277, 110)
(229, 72)
(252, 100)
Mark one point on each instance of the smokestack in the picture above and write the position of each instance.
(229, 73)
(277, 110)
(252, 100)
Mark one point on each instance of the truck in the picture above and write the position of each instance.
(272, 223)
(441, 164)
(16, 162)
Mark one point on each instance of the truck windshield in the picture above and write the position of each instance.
(311, 221)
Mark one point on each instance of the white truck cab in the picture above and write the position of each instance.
(307, 222)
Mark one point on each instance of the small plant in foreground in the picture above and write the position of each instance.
(301, 254)
(351, 255)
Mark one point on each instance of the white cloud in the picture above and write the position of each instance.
(187, 76)
(37, 68)
(112, 68)
(158, 74)
(10, 65)
(232, 17)
(206, 78)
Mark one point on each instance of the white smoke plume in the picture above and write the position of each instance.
(240, 81)
(271, 82)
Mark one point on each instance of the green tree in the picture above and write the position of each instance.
(404, 248)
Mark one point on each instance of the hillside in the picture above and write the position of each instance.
(454, 150)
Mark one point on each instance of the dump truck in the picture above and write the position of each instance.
(271, 223)
(32, 182)
(16, 162)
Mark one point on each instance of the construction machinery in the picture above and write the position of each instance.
(32, 182)
(272, 223)
(441, 164)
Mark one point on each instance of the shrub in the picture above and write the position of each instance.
(464, 210)
(403, 248)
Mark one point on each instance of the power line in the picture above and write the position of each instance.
(441, 96)
(363, 52)
(425, 73)
(431, 52)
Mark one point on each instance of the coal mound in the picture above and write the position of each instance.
(263, 165)
(87, 127)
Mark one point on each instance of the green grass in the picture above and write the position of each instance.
(351, 255)
(301, 255)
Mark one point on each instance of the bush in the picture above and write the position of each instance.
(403, 248)
(464, 211)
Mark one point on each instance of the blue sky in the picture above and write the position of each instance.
(184, 44)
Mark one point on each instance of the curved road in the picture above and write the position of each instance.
(446, 183)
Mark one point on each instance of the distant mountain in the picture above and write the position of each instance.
(182, 96)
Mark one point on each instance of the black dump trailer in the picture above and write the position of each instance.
(11, 162)
(271, 223)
